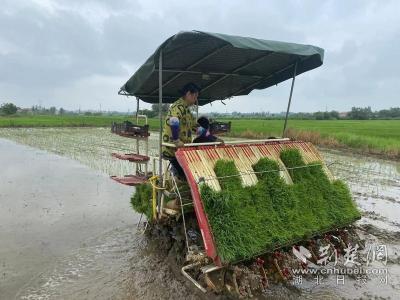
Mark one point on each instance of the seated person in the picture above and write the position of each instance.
(180, 124)
(203, 132)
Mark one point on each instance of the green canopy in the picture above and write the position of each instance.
(222, 65)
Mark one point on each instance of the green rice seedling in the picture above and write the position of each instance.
(141, 200)
(247, 221)
(334, 198)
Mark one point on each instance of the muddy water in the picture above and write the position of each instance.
(70, 234)
(375, 186)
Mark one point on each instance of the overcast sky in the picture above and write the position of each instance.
(75, 54)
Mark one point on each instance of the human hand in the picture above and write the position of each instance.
(178, 143)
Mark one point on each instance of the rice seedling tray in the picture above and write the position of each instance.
(131, 180)
(254, 198)
(132, 157)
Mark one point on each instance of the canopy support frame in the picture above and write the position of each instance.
(137, 110)
(180, 72)
(262, 79)
(208, 73)
(290, 99)
(160, 166)
(233, 72)
(197, 109)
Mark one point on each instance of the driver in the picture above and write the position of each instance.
(180, 124)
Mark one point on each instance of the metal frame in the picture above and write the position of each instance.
(162, 84)
(208, 73)
(206, 232)
(224, 76)
(137, 110)
(228, 142)
(182, 211)
(170, 97)
(216, 50)
(191, 279)
(146, 140)
(259, 81)
(202, 220)
(290, 99)
(124, 93)
(234, 72)
(160, 167)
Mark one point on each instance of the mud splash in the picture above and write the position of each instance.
(119, 264)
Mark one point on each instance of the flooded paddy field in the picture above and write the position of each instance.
(67, 231)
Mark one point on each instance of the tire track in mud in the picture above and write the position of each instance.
(119, 264)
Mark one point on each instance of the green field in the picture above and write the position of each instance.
(367, 136)
(59, 121)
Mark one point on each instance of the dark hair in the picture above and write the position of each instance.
(189, 87)
(203, 122)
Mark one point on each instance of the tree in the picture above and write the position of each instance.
(52, 110)
(8, 108)
(62, 111)
(334, 114)
(393, 112)
(155, 108)
(360, 113)
(149, 113)
(319, 115)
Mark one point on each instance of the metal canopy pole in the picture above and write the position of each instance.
(137, 110)
(137, 140)
(160, 167)
(197, 109)
(290, 99)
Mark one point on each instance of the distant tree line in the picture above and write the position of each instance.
(360, 113)
(8, 109)
(356, 113)
(153, 112)
(37, 109)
